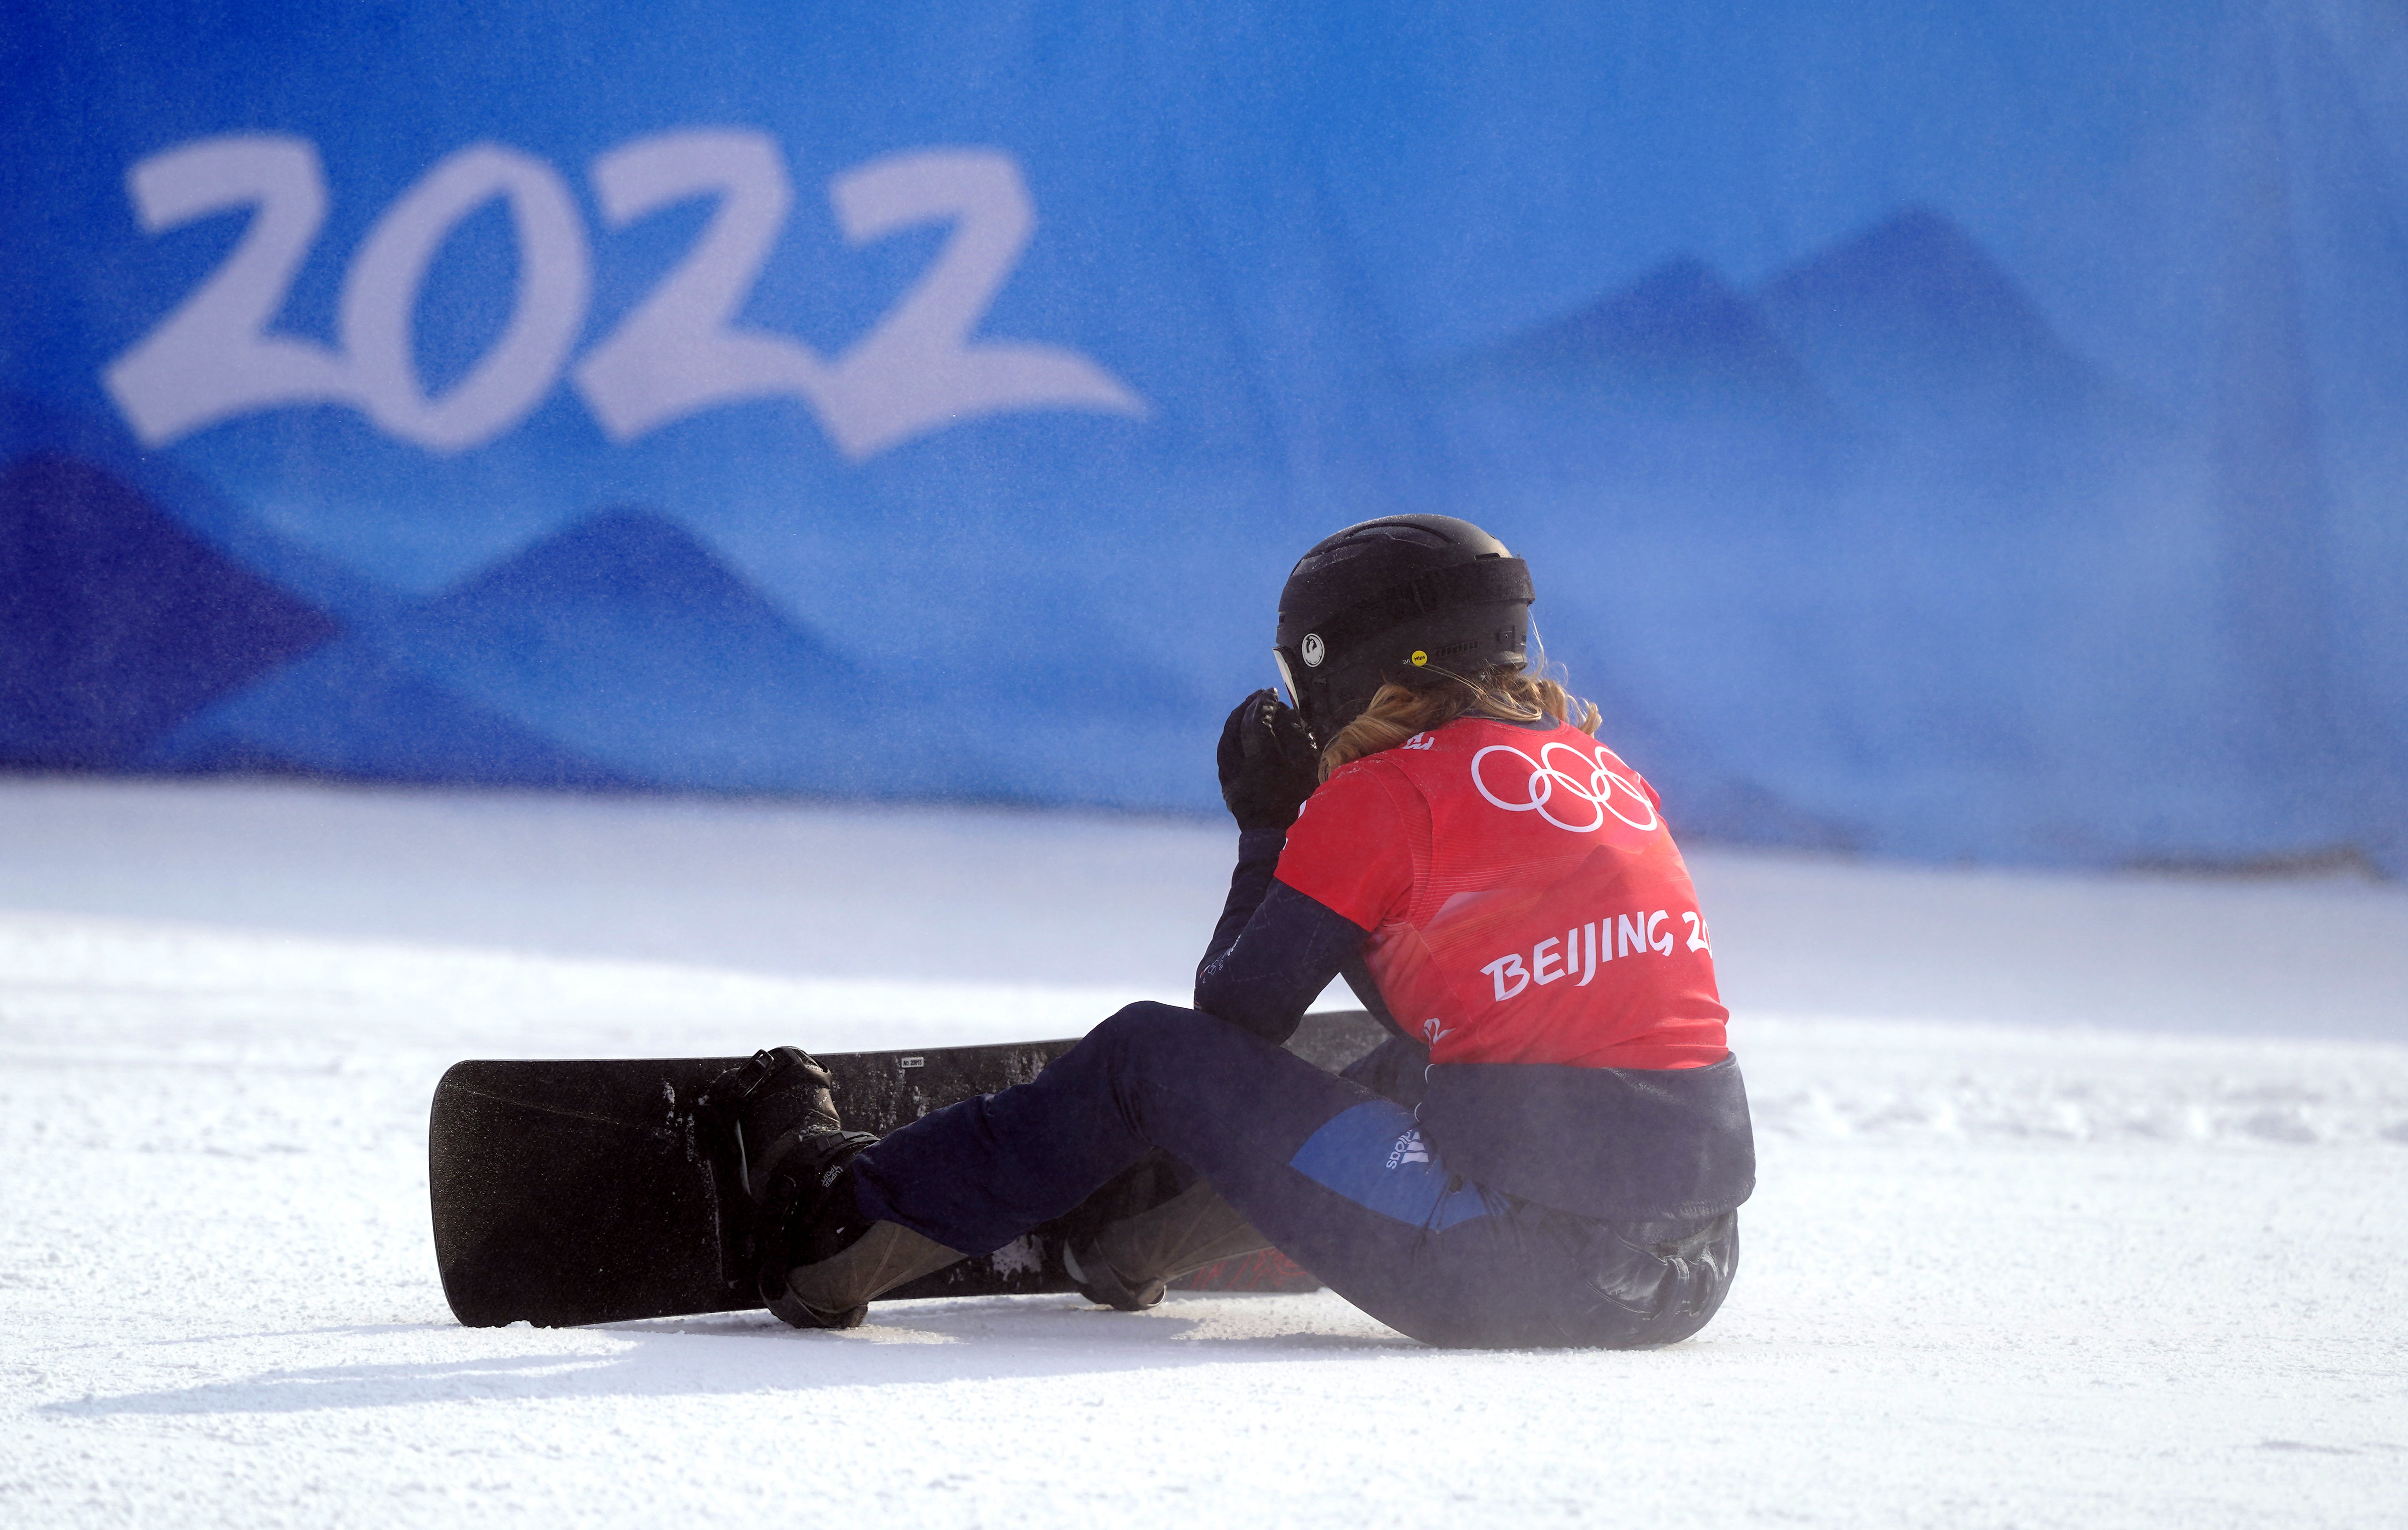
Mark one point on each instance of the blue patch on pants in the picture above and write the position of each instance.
(1375, 1156)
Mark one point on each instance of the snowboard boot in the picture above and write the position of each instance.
(870, 1259)
(818, 1262)
(1130, 1264)
(776, 1120)
(763, 1110)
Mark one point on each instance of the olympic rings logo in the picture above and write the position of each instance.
(1591, 782)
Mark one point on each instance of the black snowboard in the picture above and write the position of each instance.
(580, 1191)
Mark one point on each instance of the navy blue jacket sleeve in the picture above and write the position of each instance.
(1274, 949)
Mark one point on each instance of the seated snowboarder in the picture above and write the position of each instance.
(1550, 1150)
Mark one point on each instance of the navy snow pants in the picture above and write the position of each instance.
(1336, 1176)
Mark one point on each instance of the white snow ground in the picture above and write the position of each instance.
(2082, 1198)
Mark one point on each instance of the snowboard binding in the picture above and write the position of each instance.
(780, 1143)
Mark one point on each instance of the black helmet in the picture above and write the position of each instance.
(1394, 599)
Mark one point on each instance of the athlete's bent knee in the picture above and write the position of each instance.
(1149, 1023)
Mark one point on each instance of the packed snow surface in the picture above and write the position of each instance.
(2083, 1201)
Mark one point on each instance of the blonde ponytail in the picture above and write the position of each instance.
(1399, 711)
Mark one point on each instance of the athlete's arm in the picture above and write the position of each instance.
(1279, 953)
(1303, 903)
(1258, 853)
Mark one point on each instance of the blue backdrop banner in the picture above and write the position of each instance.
(1948, 430)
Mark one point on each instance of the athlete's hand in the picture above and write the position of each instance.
(1268, 763)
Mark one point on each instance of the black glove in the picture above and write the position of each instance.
(1268, 766)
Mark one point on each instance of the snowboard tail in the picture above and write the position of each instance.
(568, 1193)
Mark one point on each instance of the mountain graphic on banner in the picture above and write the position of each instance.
(1911, 325)
(349, 711)
(1875, 415)
(618, 652)
(625, 638)
(1905, 329)
(1679, 341)
(117, 622)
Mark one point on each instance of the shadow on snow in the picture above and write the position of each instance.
(998, 1339)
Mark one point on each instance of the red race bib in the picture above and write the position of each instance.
(1526, 902)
